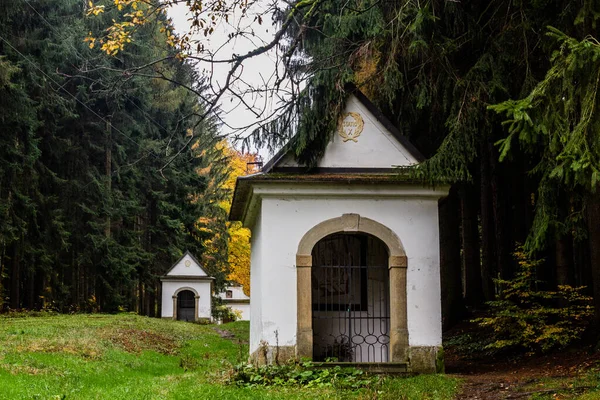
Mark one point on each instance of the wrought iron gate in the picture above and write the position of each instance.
(350, 299)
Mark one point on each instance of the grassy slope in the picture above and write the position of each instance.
(130, 357)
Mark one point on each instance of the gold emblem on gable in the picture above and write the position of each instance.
(188, 263)
(350, 126)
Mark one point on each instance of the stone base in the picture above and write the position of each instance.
(386, 368)
(426, 359)
(421, 359)
(273, 355)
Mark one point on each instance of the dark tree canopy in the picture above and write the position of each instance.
(91, 217)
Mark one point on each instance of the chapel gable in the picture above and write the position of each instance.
(364, 141)
(187, 265)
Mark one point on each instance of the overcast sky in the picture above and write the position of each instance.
(256, 70)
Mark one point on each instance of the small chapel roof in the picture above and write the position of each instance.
(243, 187)
(195, 273)
(375, 112)
(392, 146)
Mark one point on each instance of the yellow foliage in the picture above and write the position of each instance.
(239, 237)
(121, 32)
(238, 242)
(239, 255)
(94, 10)
(238, 166)
(205, 17)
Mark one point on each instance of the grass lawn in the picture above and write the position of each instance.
(126, 356)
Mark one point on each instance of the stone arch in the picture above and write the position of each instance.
(397, 265)
(197, 303)
(191, 289)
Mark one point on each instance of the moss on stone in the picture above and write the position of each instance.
(426, 359)
(440, 367)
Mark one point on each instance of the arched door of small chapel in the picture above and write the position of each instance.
(186, 306)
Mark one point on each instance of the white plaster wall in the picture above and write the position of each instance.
(285, 218)
(376, 147)
(243, 308)
(203, 288)
(237, 293)
(256, 283)
(181, 269)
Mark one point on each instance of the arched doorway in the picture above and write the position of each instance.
(349, 224)
(186, 305)
(350, 299)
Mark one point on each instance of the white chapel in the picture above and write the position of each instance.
(186, 291)
(345, 262)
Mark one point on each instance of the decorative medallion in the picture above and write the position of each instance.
(188, 263)
(350, 126)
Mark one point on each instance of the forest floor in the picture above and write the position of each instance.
(573, 373)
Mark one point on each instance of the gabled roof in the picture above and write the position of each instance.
(377, 170)
(368, 104)
(198, 265)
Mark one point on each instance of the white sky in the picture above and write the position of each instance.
(255, 71)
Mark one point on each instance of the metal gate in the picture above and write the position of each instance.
(186, 306)
(350, 292)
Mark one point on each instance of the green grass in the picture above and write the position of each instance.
(583, 387)
(126, 356)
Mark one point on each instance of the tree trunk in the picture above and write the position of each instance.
(159, 300)
(2, 280)
(450, 261)
(470, 246)
(29, 286)
(593, 219)
(15, 278)
(132, 297)
(499, 204)
(564, 245)
(140, 295)
(564, 260)
(108, 171)
(152, 301)
(487, 225)
(146, 300)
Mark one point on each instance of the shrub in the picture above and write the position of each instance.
(535, 320)
(473, 344)
(225, 314)
(304, 374)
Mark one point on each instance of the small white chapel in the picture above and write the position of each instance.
(186, 291)
(345, 262)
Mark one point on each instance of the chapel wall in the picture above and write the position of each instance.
(203, 289)
(414, 220)
(256, 271)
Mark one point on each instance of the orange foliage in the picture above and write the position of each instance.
(238, 166)
(239, 255)
(239, 237)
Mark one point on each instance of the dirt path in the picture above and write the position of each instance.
(519, 379)
(225, 334)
